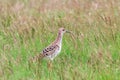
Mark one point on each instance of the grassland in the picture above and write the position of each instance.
(27, 26)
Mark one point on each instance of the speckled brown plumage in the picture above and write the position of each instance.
(53, 49)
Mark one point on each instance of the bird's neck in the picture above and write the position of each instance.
(59, 38)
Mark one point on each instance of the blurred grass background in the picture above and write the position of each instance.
(28, 26)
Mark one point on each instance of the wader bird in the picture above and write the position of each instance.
(51, 51)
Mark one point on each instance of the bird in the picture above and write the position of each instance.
(52, 50)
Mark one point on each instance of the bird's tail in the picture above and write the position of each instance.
(36, 58)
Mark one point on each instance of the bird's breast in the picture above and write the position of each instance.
(59, 49)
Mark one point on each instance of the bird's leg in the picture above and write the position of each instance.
(49, 64)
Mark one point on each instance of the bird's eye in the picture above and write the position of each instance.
(63, 29)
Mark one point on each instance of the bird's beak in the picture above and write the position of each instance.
(68, 31)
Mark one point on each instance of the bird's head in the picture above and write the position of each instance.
(63, 30)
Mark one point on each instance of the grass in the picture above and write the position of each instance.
(26, 27)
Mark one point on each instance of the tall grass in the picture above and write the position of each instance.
(28, 26)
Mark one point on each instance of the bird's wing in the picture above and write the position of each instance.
(50, 50)
(46, 52)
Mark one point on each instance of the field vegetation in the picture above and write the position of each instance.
(28, 26)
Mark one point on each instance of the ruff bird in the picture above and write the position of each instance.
(51, 51)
